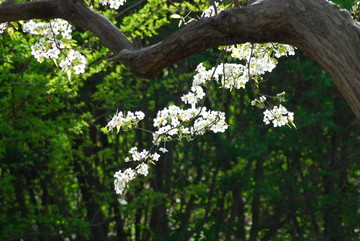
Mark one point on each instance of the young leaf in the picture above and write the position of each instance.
(175, 16)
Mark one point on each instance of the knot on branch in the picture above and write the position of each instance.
(125, 55)
(130, 58)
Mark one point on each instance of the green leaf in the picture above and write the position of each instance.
(68, 72)
(55, 62)
(15, 25)
(11, 32)
(292, 123)
(175, 16)
(48, 46)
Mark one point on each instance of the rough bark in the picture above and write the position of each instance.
(319, 28)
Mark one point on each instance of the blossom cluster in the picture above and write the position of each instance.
(257, 50)
(278, 116)
(194, 96)
(49, 30)
(228, 75)
(54, 39)
(122, 178)
(126, 121)
(177, 123)
(260, 58)
(74, 59)
(114, 4)
(172, 122)
(144, 155)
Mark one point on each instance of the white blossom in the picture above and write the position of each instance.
(114, 4)
(138, 156)
(125, 121)
(49, 30)
(142, 156)
(209, 120)
(122, 179)
(155, 156)
(75, 59)
(41, 49)
(229, 75)
(194, 96)
(3, 27)
(202, 75)
(175, 119)
(278, 116)
(163, 149)
(143, 169)
(260, 58)
(232, 76)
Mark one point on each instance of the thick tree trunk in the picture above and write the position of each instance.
(317, 27)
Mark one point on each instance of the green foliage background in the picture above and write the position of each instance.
(250, 183)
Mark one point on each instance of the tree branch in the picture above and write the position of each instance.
(28, 10)
(328, 35)
(233, 26)
(319, 28)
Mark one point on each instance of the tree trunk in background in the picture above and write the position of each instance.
(162, 183)
(88, 183)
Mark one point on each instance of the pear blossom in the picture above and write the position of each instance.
(143, 169)
(76, 59)
(41, 51)
(114, 4)
(122, 179)
(232, 76)
(163, 149)
(194, 96)
(53, 36)
(202, 75)
(126, 121)
(3, 27)
(155, 156)
(278, 116)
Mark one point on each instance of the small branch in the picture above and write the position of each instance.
(129, 8)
